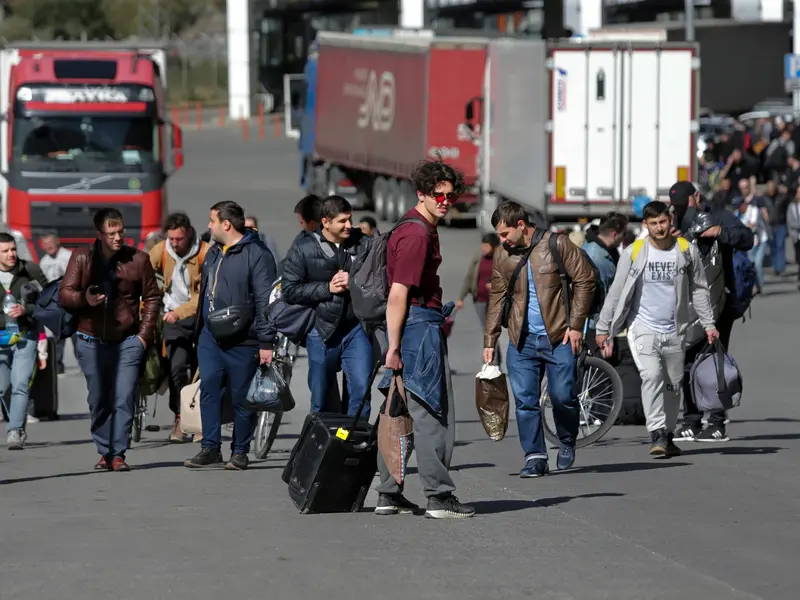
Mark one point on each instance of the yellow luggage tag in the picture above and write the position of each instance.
(342, 433)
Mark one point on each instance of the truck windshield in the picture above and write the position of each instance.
(85, 143)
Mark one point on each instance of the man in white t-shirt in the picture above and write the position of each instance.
(657, 280)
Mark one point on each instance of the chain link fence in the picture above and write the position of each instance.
(197, 70)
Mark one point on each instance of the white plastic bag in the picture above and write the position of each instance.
(489, 372)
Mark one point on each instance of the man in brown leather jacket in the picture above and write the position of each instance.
(103, 287)
(541, 339)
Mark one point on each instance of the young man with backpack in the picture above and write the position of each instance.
(400, 279)
(316, 274)
(179, 260)
(657, 279)
(545, 328)
(734, 240)
(19, 336)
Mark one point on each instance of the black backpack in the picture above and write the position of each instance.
(48, 312)
(566, 281)
(369, 288)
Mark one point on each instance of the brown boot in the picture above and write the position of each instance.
(176, 436)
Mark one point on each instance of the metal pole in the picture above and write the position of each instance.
(688, 12)
(796, 51)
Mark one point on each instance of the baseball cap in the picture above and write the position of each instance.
(680, 193)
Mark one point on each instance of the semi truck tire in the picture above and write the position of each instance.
(335, 175)
(380, 191)
(392, 201)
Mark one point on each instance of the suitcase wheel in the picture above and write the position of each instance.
(359, 503)
(312, 494)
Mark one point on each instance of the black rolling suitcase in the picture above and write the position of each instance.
(44, 389)
(333, 462)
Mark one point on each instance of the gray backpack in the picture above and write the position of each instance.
(716, 380)
(369, 288)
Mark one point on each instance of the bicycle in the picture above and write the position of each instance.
(268, 422)
(592, 372)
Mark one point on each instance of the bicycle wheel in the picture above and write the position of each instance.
(265, 433)
(600, 400)
(138, 419)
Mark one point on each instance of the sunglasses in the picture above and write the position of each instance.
(442, 198)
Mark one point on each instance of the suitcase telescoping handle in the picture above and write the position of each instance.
(344, 433)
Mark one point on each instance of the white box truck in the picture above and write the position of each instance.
(573, 129)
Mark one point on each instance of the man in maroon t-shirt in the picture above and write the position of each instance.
(417, 348)
(478, 282)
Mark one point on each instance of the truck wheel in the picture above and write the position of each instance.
(380, 191)
(405, 199)
(334, 177)
(320, 180)
(392, 199)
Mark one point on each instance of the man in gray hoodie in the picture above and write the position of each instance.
(658, 280)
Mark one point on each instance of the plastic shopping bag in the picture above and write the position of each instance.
(395, 431)
(491, 400)
(269, 391)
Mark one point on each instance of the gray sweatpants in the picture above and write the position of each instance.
(659, 358)
(433, 444)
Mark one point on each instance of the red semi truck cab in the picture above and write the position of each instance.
(84, 128)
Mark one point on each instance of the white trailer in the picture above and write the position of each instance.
(573, 130)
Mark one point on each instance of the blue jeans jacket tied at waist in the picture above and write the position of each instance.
(423, 350)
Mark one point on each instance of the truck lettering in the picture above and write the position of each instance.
(377, 109)
(444, 152)
(86, 94)
(561, 90)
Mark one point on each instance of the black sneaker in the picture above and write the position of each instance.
(658, 442)
(238, 462)
(687, 433)
(395, 505)
(205, 458)
(448, 507)
(672, 449)
(713, 434)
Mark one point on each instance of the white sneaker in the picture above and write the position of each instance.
(32, 419)
(16, 439)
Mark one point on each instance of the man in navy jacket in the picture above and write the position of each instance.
(238, 273)
(731, 235)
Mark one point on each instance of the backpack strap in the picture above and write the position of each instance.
(555, 251)
(201, 256)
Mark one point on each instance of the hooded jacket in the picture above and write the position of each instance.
(307, 270)
(241, 274)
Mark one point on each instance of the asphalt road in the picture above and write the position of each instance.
(718, 523)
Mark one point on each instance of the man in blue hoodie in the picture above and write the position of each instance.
(232, 334)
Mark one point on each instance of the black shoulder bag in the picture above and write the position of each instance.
(508, 299)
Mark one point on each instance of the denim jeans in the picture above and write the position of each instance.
(234, 367)
(351, 350)
(777, 248)
(17, 364)
(756, 254)
(526, 364)
(112, 379)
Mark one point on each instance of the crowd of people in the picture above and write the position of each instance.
(754, 170)
(209, 293)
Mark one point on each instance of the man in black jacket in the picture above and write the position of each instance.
(238, 273)
(316, 273)
(731, 235)
(24, 280)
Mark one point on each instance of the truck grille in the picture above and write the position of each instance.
(73, 223)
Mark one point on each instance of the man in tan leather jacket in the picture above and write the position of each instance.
(527, 298)
(179, 260)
